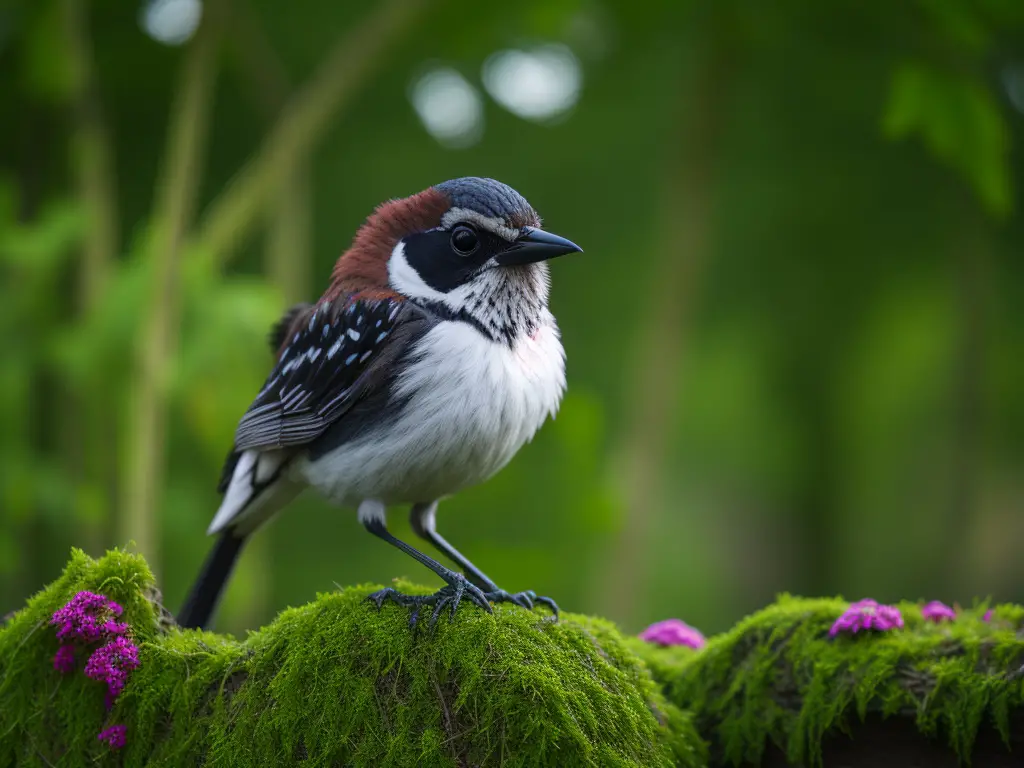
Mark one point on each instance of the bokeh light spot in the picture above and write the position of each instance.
(540, 84)
(171, 22)
(449, 107)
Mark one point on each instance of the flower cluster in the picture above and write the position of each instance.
(87, 619)
(867, 614)
(111, 664)
(114, 736)
(673, 632)
(938, 612)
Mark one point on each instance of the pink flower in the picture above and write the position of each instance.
(867, 614)
(111, 664)
(987, 616)
(64, 661)
(937, 612)
(114, 736)
(87, 617)
(673, 632)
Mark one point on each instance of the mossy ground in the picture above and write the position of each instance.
(336, 682)
(777, 678)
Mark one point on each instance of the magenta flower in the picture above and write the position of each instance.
(88, 617)
(867, 614)
(111, 664)
(987, 616)
(114, 736)
(937, 612)
(673, 632)
(64, 661)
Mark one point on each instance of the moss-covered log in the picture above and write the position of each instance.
(338, 683)
(778, 690)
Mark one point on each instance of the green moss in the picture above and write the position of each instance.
(777, 676)
(337, 683)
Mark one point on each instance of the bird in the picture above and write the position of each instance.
(428, 362)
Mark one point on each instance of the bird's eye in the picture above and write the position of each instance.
(464, 240)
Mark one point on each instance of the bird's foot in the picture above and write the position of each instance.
(448, 596)
(527, 599)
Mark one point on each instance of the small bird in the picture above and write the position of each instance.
(425, 366)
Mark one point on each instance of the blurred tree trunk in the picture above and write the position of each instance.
(816, 502)
(87, 423)
(173, 211)
(657, 371)
(971, 270)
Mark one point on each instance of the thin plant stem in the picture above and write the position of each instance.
(231, 216)
(92, 158)
(173, 211)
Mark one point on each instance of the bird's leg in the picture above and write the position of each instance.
(451, 595)
(422, 518)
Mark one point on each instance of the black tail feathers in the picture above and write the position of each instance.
(208, 588)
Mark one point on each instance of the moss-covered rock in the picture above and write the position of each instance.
(778, 690)
(336, 682)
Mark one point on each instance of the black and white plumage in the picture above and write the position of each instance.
(430, 360)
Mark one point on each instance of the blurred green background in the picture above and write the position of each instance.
(795, 340)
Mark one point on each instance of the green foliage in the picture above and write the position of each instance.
(337, 682)
(959, 120)
(848, 414)
(778, 676)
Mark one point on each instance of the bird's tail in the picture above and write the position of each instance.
(206, 592)
(255, 488)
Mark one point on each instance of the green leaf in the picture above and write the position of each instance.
(44, 243)
(959, 120)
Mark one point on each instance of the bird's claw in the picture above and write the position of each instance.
(449, 596)
(527, 599)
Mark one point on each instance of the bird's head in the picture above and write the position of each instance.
(469, 248)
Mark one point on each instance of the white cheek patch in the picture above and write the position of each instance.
(407, 281)
(497, 226)
(404, 278)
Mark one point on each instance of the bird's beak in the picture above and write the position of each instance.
(534, 245)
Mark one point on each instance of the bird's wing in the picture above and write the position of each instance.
(338, 352)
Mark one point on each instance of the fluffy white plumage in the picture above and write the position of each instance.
(473, 404)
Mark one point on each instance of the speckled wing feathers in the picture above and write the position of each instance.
(329, 361)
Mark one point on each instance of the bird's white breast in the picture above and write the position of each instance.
(471, 405)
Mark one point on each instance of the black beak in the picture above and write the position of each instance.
(534, 245)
